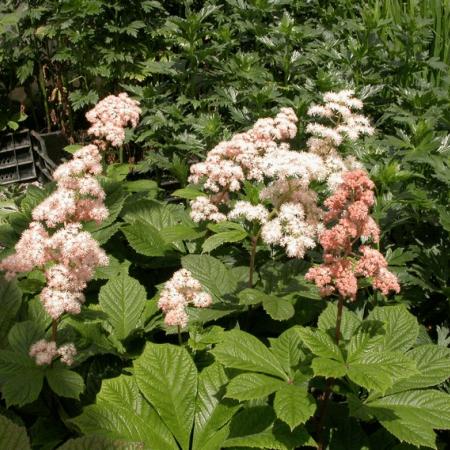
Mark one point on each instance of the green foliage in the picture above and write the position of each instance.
(254, 368)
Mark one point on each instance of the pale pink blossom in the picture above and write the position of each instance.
(110, 117)
(180, 291)
(45, 352)
(245, 210)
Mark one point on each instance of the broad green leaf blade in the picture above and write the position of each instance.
(254, 427)
(278, 308)
(411, 416)
(379, 371)
(145, 239)
(21, 380)
(64, 382)
(349, 321)
(180, 233)
(22, 335)
(241, 350)
(223, 238)
(167, 377)
(328, 368)
(123, 299)
(433, 365)
(12, 436)
(189, 193)
(401, 327)
(320, 343)
(98, 443)
(249, 386)
(120, 412)
(10, 301)
(287, 348)
(293, 405)
(211, 273)
(212, 411)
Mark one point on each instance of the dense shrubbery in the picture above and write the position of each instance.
(245, 352)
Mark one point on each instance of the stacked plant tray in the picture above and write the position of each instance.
(17, 163)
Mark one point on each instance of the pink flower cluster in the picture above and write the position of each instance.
(79, 196)
(180, 291)
(111, 116)
(348, 211)
(45, 352)
(55, 240)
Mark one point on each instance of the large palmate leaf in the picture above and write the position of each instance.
(167, 377)
(249, 386)
(10, 301)
(294, 405)
(121, 412)
(211, 273)
(256, 427)
(320, 343)
(212, 411)
(433, 368)
(123, 299)
(411, 416)
(13, 436)
(241, 350)
(401, 327)
(98, 443)
(287, 348)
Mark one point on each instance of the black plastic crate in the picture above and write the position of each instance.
(17, 163)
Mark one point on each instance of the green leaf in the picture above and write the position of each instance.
(328, 368)
(188, 193)
(219, 239)
(293, 405)
(379, 371)
(241, 350)
(12, 436)
(141, 185)
(123, 299)
(320, 343)
(287, 348)
(433, 366)
(278, 308)
(249, 386)
(64, 382)
(72, 148)
(411, 416)
(401, 327)
(212, 411)
(180, 233)
(167, 377)
(254, 427)
(10, 301)
(145, 239)
(21, 380)
(121, 412)
(211, 273)
(349, 321)
(98, 443)
(22, 335)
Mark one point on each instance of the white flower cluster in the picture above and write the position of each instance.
(45, 352)
(180, 291)
(288, 211)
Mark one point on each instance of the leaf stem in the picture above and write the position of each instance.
(54, 330)
(330, 381)
(252, 261)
